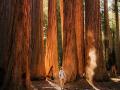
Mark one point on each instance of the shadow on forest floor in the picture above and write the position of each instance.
(82, 84)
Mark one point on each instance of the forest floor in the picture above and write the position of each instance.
(82, 84)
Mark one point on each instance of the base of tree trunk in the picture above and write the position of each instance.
(99, 78)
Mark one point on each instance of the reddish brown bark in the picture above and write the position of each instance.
(61, 14)
(69, 41)
(17, 76)
(95, 67)
(37, 60)
(79, 29)
(51, 57)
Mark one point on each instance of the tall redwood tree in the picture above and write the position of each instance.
(51, 56)
(79, 29)
(95, 67)
(18, 75)
(69, 41)
(37, 43)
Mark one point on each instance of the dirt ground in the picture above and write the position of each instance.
(81, 84)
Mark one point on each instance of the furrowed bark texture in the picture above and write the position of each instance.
(69, 41)
(95, 67)
(79, 29)
(51, 57)
(37, 44)
(18, 75)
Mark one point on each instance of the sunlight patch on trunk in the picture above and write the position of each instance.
(91, 67)
(92, 64)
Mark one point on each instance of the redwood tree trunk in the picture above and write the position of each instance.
(5, 24)
(95, 67)
(6, 16)
(61, 14)
(37, 60)
(108, 36)
(17, 76)
(69, 41)
(51, 57)
(117, 37)
(79, 29)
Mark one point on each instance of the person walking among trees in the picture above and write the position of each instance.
(62, 78)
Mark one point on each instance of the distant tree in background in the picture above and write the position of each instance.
(59, 33)
(117, 36)
(107, 33)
